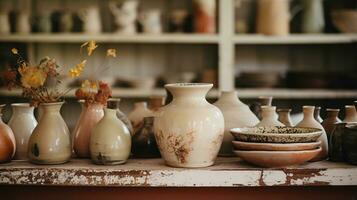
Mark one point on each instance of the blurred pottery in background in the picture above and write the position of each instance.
(310, 122)
(205, 16)
(22, 123)
(143, 83)
(155, 103)
(284, 116)
(121, 115)
(91, 20)
(23, 23)
(330, 121)
(269, 117)
(317, 115)
(262, 101)
(313, 20)
(350, 114)
(5, 22)
(43, 22)
(7, 141)
(50, 140)
(178, 20)
(210, 76)
(305, 79)
(189, 131)
(236, 114)
(144, 143)
(136, 116)
(345, 20)
(151, 21)
(66, 22)
(258, 79)
(125, 16)
(349, 144)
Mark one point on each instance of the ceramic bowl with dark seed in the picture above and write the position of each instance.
(239, 145)
(277, 134)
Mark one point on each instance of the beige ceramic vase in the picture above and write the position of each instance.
(121, 115)
(140, 111)
(7, 141)
(310, 122)
(22, 123)
(189, 131)
(50, 140)
(330, 121)
(236, 114)
(110, 141)
(284, 116)
(269, 117)
(89, 117)
(350, 114)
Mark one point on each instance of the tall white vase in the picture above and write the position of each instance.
(22, 123)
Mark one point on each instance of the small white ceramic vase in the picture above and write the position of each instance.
(151, 21)
(23, 23)
(91, 20)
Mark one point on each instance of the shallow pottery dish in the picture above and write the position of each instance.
(277, 158)
(276, 134)
(239, 145)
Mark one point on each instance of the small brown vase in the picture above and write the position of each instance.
(262, 101)
(317, 115)
(7, 141)
(269, 117)
(350, 114)
(284, 116)
(143, 142)
(330, 121)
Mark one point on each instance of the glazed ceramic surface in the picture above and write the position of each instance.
(110, 140)
(335, 142)
(22, 123)
(189, 131)
(50, 140)
(140, 111)
(284, 117)
(350, 114)
(330, 121)
(239, 145)
(7, 141)
(144, 143)
(349, 144)
(310, 121)
(90, 116)
(236, 114)
(276, 134)
(277, 158)
(120, 114)
(269, 117)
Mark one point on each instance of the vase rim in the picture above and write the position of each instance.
(27, 105)
(52, 103)
(349, 106)
(333, 109)
(114, 99)
(284, 110)
(189, 85)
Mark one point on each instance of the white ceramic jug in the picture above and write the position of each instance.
(151, 21)
(23, 24)
(5, 23)
(91, 20)
(313, 16)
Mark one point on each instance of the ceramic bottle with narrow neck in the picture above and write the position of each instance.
(269, 117)
(121, 115)
(284, 116)
(350, 114)
(310, 122)
(7, 141)
(330, 121)
(22, 123)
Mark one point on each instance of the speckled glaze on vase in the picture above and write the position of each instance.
(335, 142)
(140, 111)
(269, 117)
(236, 114)
(110, 141)
(317, 115)
(50, 140)
(22, 123)
(349, 144)
(89, 117)
(144, 143)
(284, 116)
(350, 114)
(189, 131)
(7, 141)
(120, 114)
(330, 121)
(310, 122)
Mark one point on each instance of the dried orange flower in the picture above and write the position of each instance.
(77, 70)
(14, 51)
(91, 46)
(32, 77)
(111, 53)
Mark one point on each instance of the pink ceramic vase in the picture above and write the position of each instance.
(7, 141)
(90, 116)
(350, 114)
(310, 122)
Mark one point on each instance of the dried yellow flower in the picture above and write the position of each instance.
(32, 77)
(77, 70)
(111, 53)
(14, 51)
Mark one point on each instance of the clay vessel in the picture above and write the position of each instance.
(335, 142)
(330, 121)
(310, 121)
(7, 141)
(136, 116)
(89, 117)
(120, 114)
(349, 144)
(144, 143)
(262, 101)
(350, 114)
(236, 114)
(317, 115)
(189, 131)
(284, 117)
(269, 117)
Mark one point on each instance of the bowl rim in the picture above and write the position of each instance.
(278, 144)
(318, 149)
(243, 130)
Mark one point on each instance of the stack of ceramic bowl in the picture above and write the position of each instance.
(276, 146)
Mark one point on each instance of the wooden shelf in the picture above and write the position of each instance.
(227, 172)
(111, 38)
(295, 39)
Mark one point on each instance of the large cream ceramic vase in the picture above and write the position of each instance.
(50, 140)
(22, 123)
(189, 131)
(310, 122)
(90, 116)
(236, 114)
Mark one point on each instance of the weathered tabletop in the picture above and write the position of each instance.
(227, 172)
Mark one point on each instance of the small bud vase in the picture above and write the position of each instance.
(350, 114)
(269, 117)
(330, 121)
(7, 141)
(284, 117)
(50, 140)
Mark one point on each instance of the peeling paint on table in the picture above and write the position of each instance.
(227, 172)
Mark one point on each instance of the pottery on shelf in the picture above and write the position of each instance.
(350, 114)
(277, 158)
(125, 15)
(151, 21)
(189, 131)
(204, 16)
(5, 22)
(155, 103)
(269, 117)
(50, 140)
(317, 115)
(122, 116)
(23, 23)
(335, 142)
(236, 114)
(110, 140)
(276, 134)
(310, 121)
(91, 19)
(136, 116)
(284, 116)
(349, 144)
(313, 19)
(144, 143)
(239, 145)
(262, 101)
(22, 123)
(89, 117)
(7, 141)
(330, 121)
